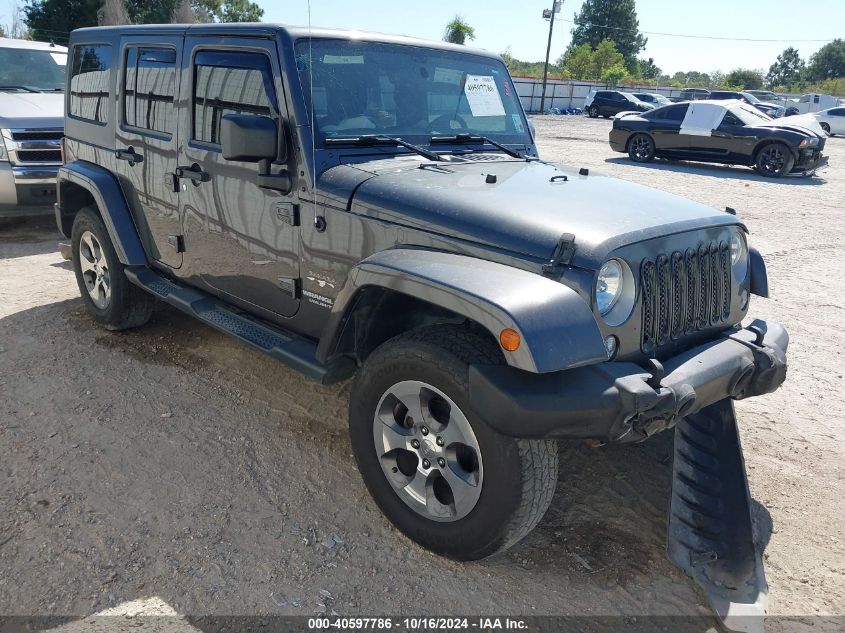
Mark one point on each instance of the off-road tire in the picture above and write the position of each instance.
(592, 112)
(519, 475)
(763, 162)
(128, 306)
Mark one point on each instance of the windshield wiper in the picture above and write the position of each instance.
(24, 88)
(377, 139)
(476, 138)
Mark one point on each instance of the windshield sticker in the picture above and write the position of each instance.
(517, 123)
(343, 59)
(448, 76)
(59, 58)
(483, 96)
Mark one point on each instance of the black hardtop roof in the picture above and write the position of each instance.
(262, 29)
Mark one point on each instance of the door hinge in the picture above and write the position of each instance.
(177, 242)
(288, 212)
(290, 286)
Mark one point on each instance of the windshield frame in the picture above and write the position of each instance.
(27, 85)
(523, 139)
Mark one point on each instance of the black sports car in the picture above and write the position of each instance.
(729, 132)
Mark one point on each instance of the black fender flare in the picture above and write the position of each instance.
(556, 326)
(109, 198)
(757, 270)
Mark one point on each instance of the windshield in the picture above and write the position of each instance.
(407, 91)
(749, 115)
(27, 70)
(751, 97)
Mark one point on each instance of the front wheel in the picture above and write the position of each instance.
(593, 112)
(436, 470)
(641, 148)
(825, 127)
(774, 160)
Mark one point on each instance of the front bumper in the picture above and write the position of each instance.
(810, 160)
(27, 190)
(622, 401)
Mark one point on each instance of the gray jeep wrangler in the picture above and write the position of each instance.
(373, 206)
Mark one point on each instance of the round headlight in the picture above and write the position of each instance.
(608, 286)
(739, 255)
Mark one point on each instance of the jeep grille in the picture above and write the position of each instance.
(684, 292)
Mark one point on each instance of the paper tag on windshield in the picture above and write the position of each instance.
(483, 96)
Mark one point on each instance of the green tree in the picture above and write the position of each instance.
(577, 61)
(828, 62)
(458, 31)
(54, 19)
(615, 20)
(239, 11)
(606, 56)
(746, 78)
(788, 68)
(648, 69)
(614, 74)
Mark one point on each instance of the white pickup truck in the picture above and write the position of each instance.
(32, 76)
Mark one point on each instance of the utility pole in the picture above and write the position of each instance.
(548, 14)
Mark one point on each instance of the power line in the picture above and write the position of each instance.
(687, 35)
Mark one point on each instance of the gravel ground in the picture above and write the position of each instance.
(173, 465)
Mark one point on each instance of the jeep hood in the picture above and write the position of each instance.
(528, 207)
(32, 110)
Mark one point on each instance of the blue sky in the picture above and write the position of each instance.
(518, 24)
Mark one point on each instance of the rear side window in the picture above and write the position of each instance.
(89, 82)
(671, 113)
(230, 83)
(149, 88)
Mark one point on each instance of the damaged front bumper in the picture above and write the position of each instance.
(622, 401)
(710, 533)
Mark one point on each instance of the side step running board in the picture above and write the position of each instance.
(710, 532)
(296, 352)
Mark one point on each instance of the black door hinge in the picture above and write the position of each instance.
(177, 242)
(562, 254)
(290, 286)
(288, 212)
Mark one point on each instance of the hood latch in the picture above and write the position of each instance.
(562, 254)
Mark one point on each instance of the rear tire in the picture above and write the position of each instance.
(510, 481)
(109, 297)
(774, 160)
(641, 148)
(592, 112)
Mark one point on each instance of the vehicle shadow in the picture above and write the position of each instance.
(737, 172)
(35, 235)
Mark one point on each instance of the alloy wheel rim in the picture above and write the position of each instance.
(773, 160)
(642, 147)
(95, 269)
(428, 451)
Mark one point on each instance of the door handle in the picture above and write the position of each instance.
(129, 154)
(194, 173)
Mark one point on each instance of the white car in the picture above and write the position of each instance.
(832, 120)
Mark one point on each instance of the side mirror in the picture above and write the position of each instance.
(249, 138)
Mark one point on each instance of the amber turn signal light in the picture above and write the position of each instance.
(509, 339)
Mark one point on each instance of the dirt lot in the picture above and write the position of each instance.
(172, 464)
